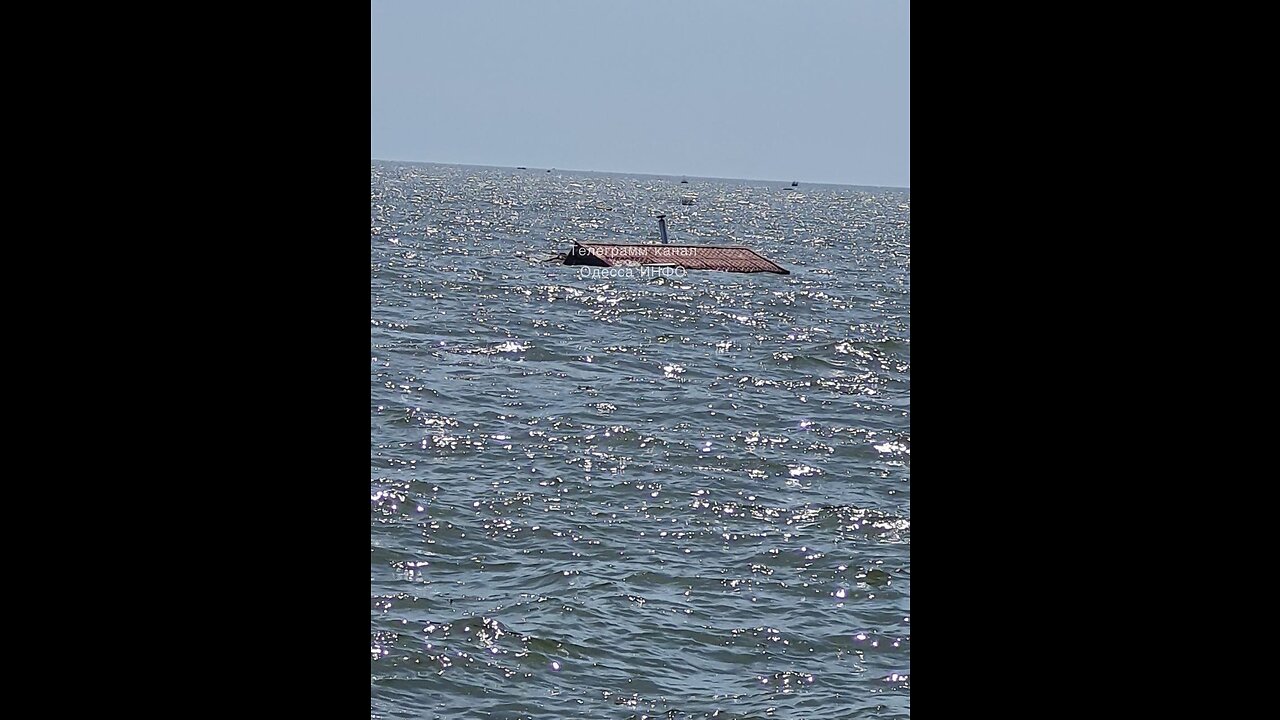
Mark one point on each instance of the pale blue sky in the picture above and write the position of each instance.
(808, 90)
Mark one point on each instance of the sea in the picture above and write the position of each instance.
(664, 495)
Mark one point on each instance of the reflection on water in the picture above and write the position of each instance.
(672, 496)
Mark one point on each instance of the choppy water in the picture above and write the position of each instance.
(680, 497)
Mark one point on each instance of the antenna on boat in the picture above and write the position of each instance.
(662, 228)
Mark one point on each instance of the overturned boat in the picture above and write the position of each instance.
(729, 258)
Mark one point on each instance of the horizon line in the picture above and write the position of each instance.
(639, 174)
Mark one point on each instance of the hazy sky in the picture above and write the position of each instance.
(808, 90)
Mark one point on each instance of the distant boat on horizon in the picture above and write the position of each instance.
(795, 183)
(684, 181)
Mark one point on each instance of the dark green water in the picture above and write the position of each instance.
(678, 497)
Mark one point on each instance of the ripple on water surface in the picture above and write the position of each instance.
(675, 497)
